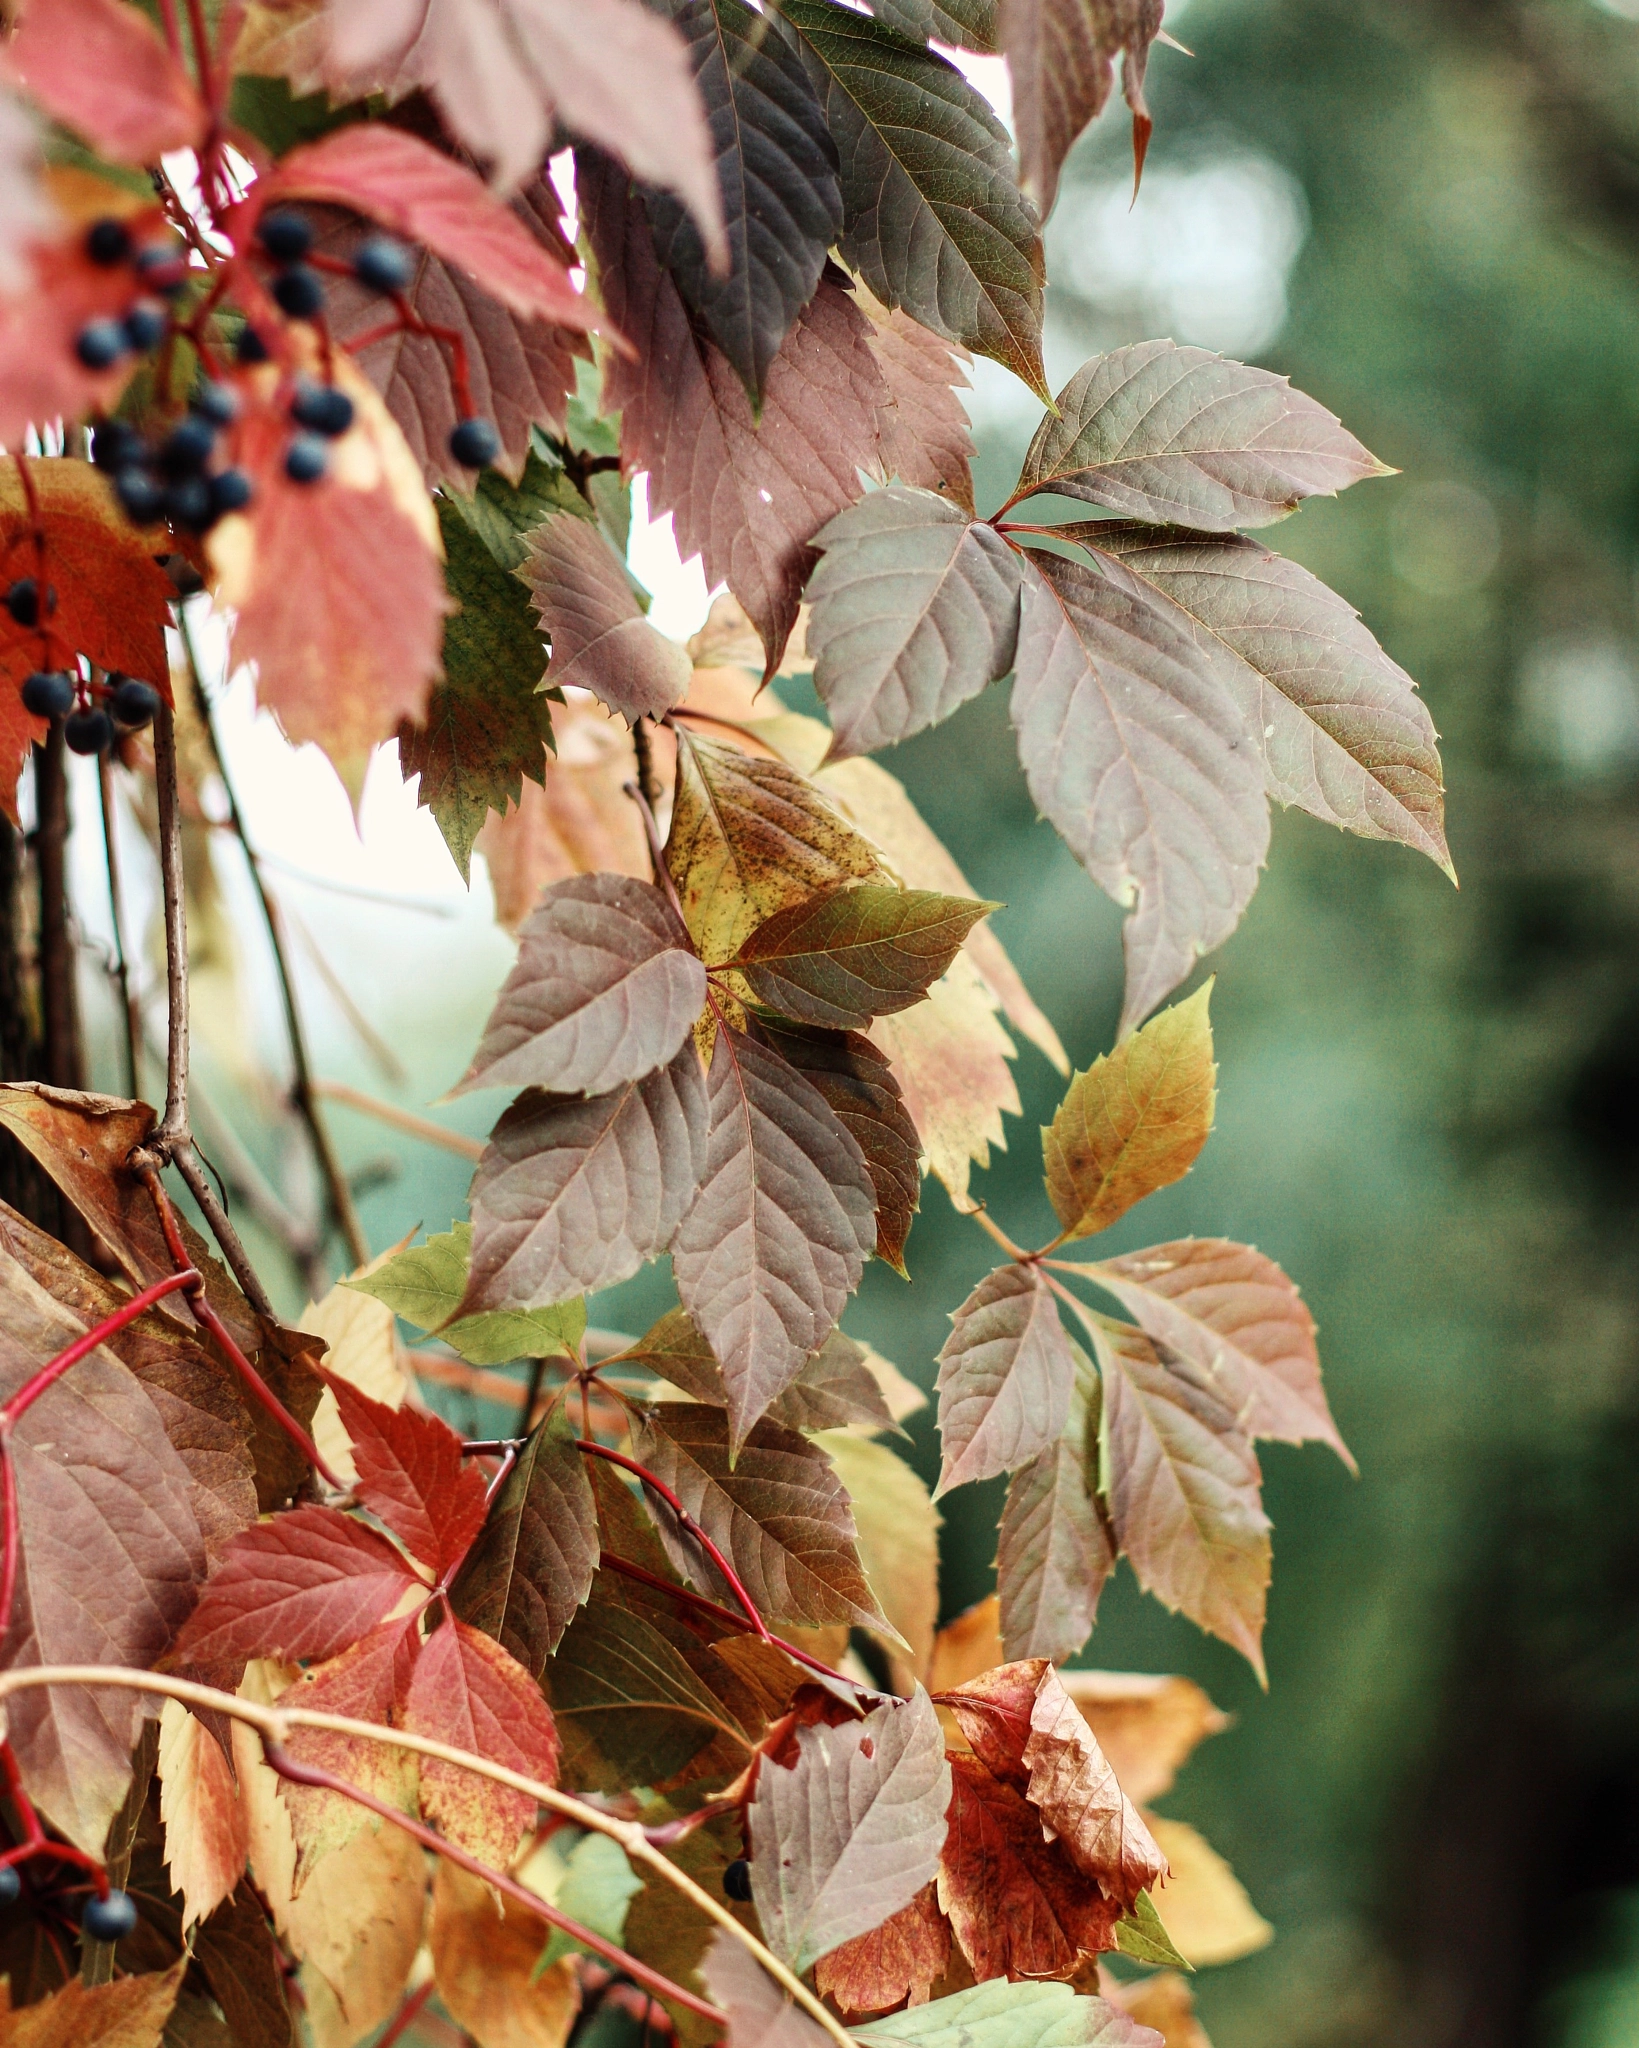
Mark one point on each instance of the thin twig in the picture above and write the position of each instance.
(173, 1125)
(404, 1120)
(275, 1723)
(129, 1013)
(657, 852)
(405, 2018)
(198, 1184)
(1013, 1251)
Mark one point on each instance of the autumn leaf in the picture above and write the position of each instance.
(1237, 1316)
(484, 1963)
(302, 1585)
(852, 1831)
(747, 490)
(1135, 1121)
(1147, 1726)
(101, 69)
(426, 1283)
(966, 1646)
(469, 1692)
(369, 1681)
(1164, 433)
(781, 1223)
(1061, 61)
(1165, 2002)
(923, 431)
(1005, 1377)
(1053, 1554)
(933, 219)
(600, 639)
(841, 959)
(886, 1966)
(897, 1529)
(1184, 1487)
(1010, 2016)
(1142, 765)
(834, 1390)
(916, 610)
(950, 1057)
(572, 1195)
(530, 1570)
(1207, 1911)
(778, 1514)
(606, 989)
(760, 2011)
(129, 2014)
(205, 1830)
(412, 1477)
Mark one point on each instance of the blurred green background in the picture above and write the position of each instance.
(1427, 213)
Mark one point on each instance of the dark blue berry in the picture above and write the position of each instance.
(286, 237)
(250, 347)
(133, 703)
(48, 693)
(298, 291)
(115, 444)
(23, 601)
(218, 403)
(113, 1918)
(100, 344)
(88, 732)
(230, 491)
(163, 268)
(306, 459)
(108, 242)
(187, 447)
(11, 1885)
(383, 264)
(737, 1880)
(188, 503)
(475, 444)
(145, 326)
(323, 408)
(140, 494)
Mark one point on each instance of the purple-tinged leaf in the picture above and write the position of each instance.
(1005, 1378)
(1061, 60)
(600, 639)
(1052, 1553)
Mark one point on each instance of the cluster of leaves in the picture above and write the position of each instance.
(754, 1001)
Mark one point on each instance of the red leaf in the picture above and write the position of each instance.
(429, 198)
(369, 1682)
(411, 1474)
(897, 1962)
(100, 68)
(303, 1585)
(467, 1691)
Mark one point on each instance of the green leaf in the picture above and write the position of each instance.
(934, 219)
(966, 24)
(1186, 438)
(598, 1884)
(853, 954)
(503, 515)
(1002, 2015)
(426, 1283)
(777, 169)
(915, 610)
(1141, 1935)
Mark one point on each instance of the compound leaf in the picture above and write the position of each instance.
(841, 959)
(1052, 1553)
(600, 639)
(1006, 1374)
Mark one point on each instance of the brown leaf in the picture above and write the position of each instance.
(1146, 1726)
(484, 1954)
(1061, 58)
(1204, 1904)
(356, 1927)
(245, 1968)
(780, 1226)
(843, 958)
(469, 1692)
(1135, 1121)
(1006, 1375)
(205, 1836)
(897, 1963)
(1184, 1488)
(746, 492)
(924, 433)
(1017, 1904)
(129, 2014)
(778, 1514)
(1236, 1314)
(575, 1195)
(600, 639)
(1053, 1554)
(606, 989)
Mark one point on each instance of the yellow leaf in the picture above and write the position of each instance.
(898, 1531)
(1164, 2002)
(950, 1056)
(483, 1960)
(363, 1350)
(129, 2014)
(1147, 1726)
(1202, 1903)
(204, 1819)
(902, 1396)
(1134, 1121)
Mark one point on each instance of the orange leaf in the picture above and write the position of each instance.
(1147, 1726)
(484, 1961)
(897, 1962)
(129, 2014)
(100, 68)
(369, 1682)
(206, 1833)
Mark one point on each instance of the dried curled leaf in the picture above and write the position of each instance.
(130, 2014)
(890, 1965)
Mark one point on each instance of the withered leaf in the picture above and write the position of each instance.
(1142, 764)
(781, 1222)
(129, 2014)
(1052, 1552)
(1238, 1316)
(575, 1195)
(531, 1569)
(776, 167)
(1164, 433)
(484, 1963)
(852, 1831)
(605, 990)
(204, 1820)
(841, 959)
(777, 1513)
(1184, 1487)
(1061, 60)
(1005, 1377)
(369, 1681)
(600, 639)
(886, 1966)
(1147, 1726)
(916, 609)
(1134, 1121)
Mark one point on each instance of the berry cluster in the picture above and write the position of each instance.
(110, 1917)
(160, 272)
(89, 726)
(171, 478)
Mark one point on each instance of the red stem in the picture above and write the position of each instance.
(31, 1390)
(409, 321)
(405, 2018)
(686, 1520)
(35, 1842)
(324, 1781)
